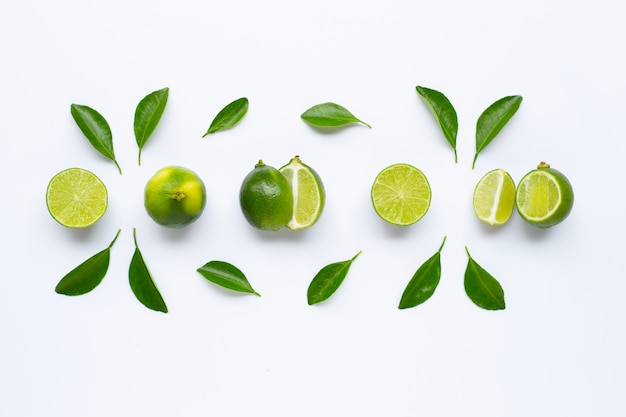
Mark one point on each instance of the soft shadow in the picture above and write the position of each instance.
(283, 234)
(397, 232)
(175, 235)
(331, 130)
(536, 234)
(493, 230)
(84, 235)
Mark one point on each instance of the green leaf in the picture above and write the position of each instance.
(229, 116)
(142, 284)
(147, 116)
(96, 130)
(327, 280)
(227, 276)
(424, 282)
(481, 287)
(330, 115)
(493, 119)
(444, 112)
(86, 276)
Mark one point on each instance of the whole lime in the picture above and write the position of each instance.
(175, 196)
(266, 198)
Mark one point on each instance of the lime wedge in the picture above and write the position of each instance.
(76, 198)
(494, 197)
(401, 194)
(308, 193)
(544, 197)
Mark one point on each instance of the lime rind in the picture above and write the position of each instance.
(401, 194)
(76, 198)
(265, 198)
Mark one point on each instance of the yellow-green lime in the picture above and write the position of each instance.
(544, 197)
(266, 198)
(494, 197)
(174, 196)
(76, 198)
(308, 193)
(401, 194)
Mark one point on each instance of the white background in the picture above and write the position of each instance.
(557, 349)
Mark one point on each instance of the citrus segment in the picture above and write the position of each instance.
(76, 198)
(308, 193)
(494, 197)
(401, 194)
(544, 197)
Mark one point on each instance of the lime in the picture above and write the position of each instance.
(308, 193)
(266, 199)
(76, 198)
(174, 196)
(401, 194)
(494, 197)
(544, 197)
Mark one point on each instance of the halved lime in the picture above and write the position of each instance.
(308, 193)
(494, 197)
(544, 197)
(76, 198)
(401, 194)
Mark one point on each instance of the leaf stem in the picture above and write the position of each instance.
(355, 256)
(474, 161)
(114, 239)
(135, 237)
(118, 166)
(442, 243)
(467, 251)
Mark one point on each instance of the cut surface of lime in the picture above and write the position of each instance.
(401, 194)
(494, 197)
(76, 198)
(308, 193)
(544, 197)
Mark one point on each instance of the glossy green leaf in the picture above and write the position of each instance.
(444, 112)
(330, 115)
(424, 282)
(493, 119)
(86, 276)
(142, 284)
(328, 280)
(481, 287)
(227, 276)
(147, 116)
(229, 116)
(96, 129)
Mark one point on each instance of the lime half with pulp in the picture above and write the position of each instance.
(544, 197)
(76, 198)
(401, 194)
(494, 197)
(308, 193)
